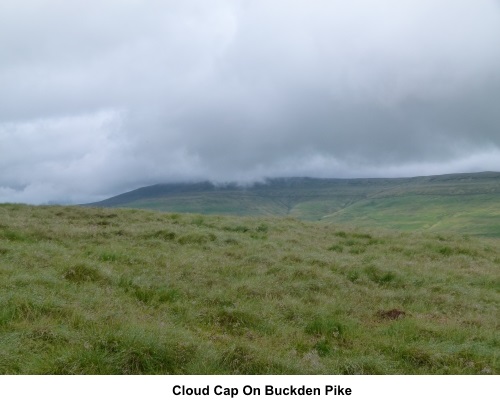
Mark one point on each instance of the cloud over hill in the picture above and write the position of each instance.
(99, 97)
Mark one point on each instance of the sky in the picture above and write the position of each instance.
(99, 97)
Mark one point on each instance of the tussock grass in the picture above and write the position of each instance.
(120, 291)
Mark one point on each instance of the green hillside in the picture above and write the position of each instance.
(124, 291)
(467, 203)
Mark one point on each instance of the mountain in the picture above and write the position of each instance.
(464, 202)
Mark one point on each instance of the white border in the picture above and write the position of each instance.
(124, 390)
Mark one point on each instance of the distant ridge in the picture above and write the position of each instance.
(281, 184)
(405, 203)
(156, 191)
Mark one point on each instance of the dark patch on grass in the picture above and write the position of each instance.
(329, 332)
(199, 221)
(352, 242)
(391, 314)
(341, 234)
(14, 236)
(30, 310)
(150, 295)
(108, 257)
(239, 359)
(233, 320)
(292, 258)
(45, 335)
(258, 259)
(142, 355)
(379, 276)
(218, 302)
(104, 223)
(231, 241)
(324, 326)
(317, 263)
(107, 215)
(466, 252)
(157, 359)
(445, 250)
(449, 251)
(323, 347)
(336, 248)
(164, 235)
(361, 367)
(418, 358)
(301, 274)
(262, 228)
(82, 273)
(237, 228)
(353, 276)
(273, 270)
(357, 250)
(196, 238)
(258, 235)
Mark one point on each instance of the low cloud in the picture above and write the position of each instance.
(99, 97)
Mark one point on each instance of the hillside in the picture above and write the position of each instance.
(124, 291)
(466, 203)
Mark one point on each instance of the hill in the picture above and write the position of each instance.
(123, 291)
(467, 203)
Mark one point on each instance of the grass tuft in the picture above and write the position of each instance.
(82, 273)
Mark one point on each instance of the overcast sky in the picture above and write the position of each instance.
(98, 97)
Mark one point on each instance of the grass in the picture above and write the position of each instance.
(472, 214)
(124, 291)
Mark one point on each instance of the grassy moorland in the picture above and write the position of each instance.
(466, 203)
(122, 291)
(477, 215)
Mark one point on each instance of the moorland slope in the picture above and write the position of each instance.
(123, 291)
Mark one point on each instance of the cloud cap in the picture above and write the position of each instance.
(100, 97)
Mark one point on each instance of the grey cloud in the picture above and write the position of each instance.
(102, 96)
